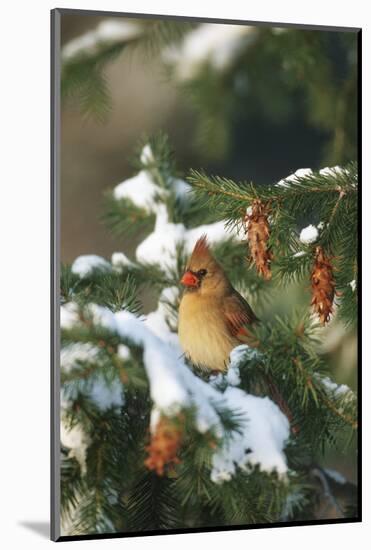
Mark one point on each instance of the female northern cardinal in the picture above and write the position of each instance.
(212, 314)
(213, 318)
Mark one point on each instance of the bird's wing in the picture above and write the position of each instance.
(238, 314)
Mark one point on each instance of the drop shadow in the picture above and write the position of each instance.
(42, 528)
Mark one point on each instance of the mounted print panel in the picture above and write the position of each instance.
(205, 275)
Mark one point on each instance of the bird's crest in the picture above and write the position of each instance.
(201, 249)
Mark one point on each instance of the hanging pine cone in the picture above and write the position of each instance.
(323, 285)
(258, 231)
(164, 445)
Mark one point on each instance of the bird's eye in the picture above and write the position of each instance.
(202, 272)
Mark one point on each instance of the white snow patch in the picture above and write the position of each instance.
(109, 31)
(180, 187)
(309, 234)
(123, 352)
(301, 173)
(120, 260)
(86, 264)
(77, 441)
(107, 394)
(102, 316)
(69, 315)
(353, 285)
(160, 360)
(141, 190)
(156, 321)
(217, 45)
(170, 294)
(233, 375)
(146, 156)
(336, 390)
(76, 353)
(155, 418)
(333, 170)
(160, 246)
(321, 225)
(265, 429)
(299, 254)
(238, 355)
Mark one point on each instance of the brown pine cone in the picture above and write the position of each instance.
(258, 231)
(164, 445)
(322, 285)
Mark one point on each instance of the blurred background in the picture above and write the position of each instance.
(250, 103)
(245, 102)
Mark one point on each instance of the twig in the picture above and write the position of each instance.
(342, 194)
(318, 472)
(346, 418)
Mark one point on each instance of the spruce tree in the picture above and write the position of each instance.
(148, 441)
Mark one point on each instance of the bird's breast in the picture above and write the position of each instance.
(203, 333)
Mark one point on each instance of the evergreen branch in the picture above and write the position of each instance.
(333, 183)
(72, 485)
(117, 493)
(122, 217)
(301, 390)
(344, 417)
(216, 185)
(83, 68)
(318, 392)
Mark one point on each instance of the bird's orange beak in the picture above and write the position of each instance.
(189, 279)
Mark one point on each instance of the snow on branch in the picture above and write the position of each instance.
(329, 172)
(262, 428)
(161, 245)
(109, 32)
(141, 190)
(119, 260)
(77, 441)
(340, 399)
(104, 394)
(301, 173)
(265, 429)
(337, 391)
(217, 45)
(86, 264)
